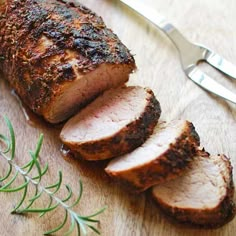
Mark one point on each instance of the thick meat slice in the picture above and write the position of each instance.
(58, 56)
(203, 196)
(163, 156)
(115, 123)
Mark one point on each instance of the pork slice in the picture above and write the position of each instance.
(163, 156)
(203, 196)
(115, 123)
(59, 56)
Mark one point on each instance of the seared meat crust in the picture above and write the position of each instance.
(45, 45)
(156, 167)
(211, 213)
(131, 134)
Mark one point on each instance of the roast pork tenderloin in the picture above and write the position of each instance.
(163, 156)
(203, 195)
(115, 123)
(59, 56)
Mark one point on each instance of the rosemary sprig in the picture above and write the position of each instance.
(81, 222)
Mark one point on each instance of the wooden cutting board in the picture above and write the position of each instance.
(212, 23)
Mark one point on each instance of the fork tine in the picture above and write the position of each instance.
(220, 63)
(209, 84)
(190, 53)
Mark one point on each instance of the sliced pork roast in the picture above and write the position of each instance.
(58, 56)
(163, 156)
(115, 123)
(203, 195)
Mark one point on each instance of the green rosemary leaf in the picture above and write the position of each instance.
(44, 171)
(22, 199)
(72, 226)
(39, 170)
(12, 135)
(7, 175)
(94, 229)
(69, 195)
(33, 161)
(39, 210)
(49, 205)
(10, 190)
(27, 164)
(7, 142)
(30, 167)
(56, 185)
(80, 195)
(59, 227)
(36, 196)
(97, 213)
(9, 183)
(59, 182)
(34, 156)
(81, 224)
(39, 146)
(78, 229)
(88, 219)
(33, 199)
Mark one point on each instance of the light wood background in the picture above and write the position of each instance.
(210, 22)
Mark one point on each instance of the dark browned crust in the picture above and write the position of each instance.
(167, 166)
(69, 27)
(211, 218)
(127, 139)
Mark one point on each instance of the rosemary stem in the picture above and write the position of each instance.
(50, 190)
(35, 183)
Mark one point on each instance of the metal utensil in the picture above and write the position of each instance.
(190, 54)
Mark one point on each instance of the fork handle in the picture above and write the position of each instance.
(181, 43)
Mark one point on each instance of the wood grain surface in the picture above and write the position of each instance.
(211, 22)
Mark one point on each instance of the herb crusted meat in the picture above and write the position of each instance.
(203, 195)
(58, 56)
(163, 156)
(115, 123)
